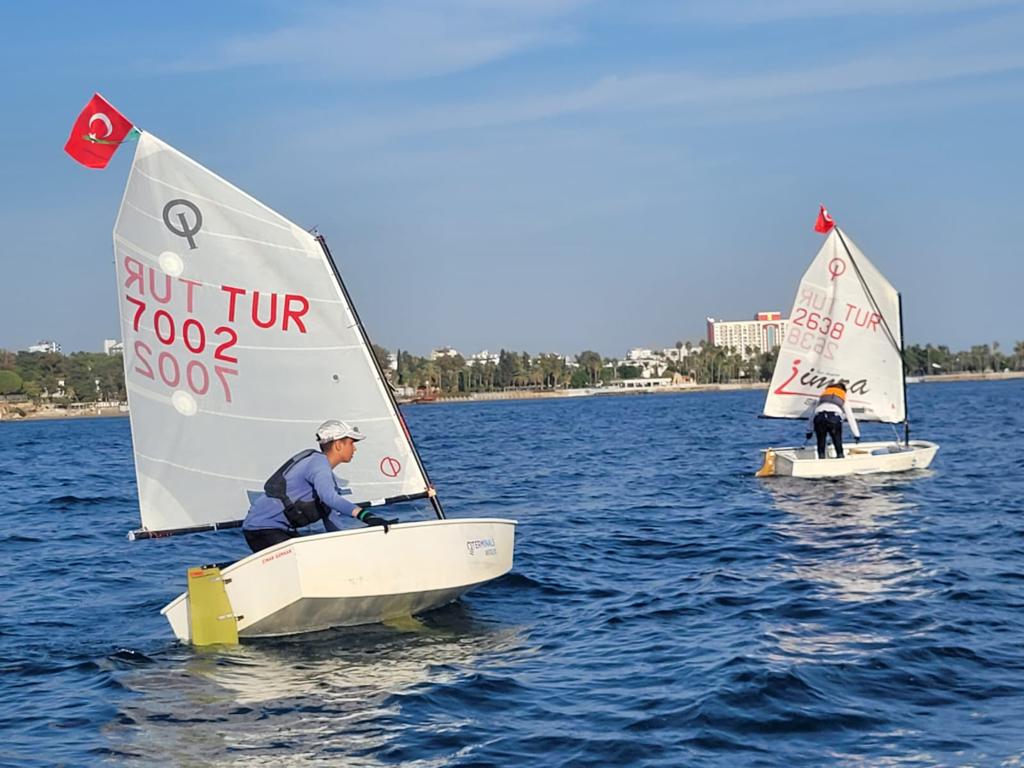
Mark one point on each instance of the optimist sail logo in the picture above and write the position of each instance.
(176, 220)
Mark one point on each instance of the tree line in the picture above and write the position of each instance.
(701, 363)
(81, 377)
(91, 377)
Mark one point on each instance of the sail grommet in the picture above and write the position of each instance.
(184, 403)
(171, 263)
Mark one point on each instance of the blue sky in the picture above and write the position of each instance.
(541, 175)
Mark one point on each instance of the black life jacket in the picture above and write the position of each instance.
(298, 513)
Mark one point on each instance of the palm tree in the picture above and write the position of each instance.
(590, 361)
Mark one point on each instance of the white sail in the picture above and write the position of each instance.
(845, 324)
(239, 340)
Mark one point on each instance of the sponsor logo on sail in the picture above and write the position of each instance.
(180, 224)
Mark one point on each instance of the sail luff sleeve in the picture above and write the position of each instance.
(396, 413)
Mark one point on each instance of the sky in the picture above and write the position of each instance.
(540, 175)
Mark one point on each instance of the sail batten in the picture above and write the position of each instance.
(239, 340)
(844, 325)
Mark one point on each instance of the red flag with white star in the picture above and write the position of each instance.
(97, 133)
(824, 222)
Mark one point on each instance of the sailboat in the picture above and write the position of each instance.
(240, 338)
(846, 325)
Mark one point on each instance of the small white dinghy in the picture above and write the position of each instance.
(353, 577)
(859, 459)
(240, 338)
(846, 324)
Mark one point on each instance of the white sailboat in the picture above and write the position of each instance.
(240, 338)
(846, 324)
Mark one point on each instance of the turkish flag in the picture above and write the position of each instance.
(824, 222)
(97, 133)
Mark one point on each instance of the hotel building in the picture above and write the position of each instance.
(765, 332)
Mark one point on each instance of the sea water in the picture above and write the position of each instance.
(666, 607)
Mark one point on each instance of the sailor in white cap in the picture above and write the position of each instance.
(304, 490)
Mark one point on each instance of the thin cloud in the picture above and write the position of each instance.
(399, 40)
(982, 50)
(734, 12)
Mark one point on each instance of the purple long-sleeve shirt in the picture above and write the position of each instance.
(308, 475)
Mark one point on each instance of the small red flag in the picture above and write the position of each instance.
(97, 133)
(824, 222)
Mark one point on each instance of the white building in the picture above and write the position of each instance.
(113, 347)
(45, 346)
(650, 363)
(482, 358)
(639, 353)
(567, 361)
(671, 353)
(437, 354)
(762, 334)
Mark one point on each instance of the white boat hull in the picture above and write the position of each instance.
(360, 576)
(860, 459)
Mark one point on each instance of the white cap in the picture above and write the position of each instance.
(337, 430)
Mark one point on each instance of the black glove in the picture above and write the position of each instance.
(371, 519)
(807, 435)
(856, 438)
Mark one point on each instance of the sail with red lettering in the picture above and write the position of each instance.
(845, 325)
(239, 340)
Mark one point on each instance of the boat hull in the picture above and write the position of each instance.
(860, 459)
(363, 576)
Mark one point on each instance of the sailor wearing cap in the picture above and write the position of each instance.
(304, 489)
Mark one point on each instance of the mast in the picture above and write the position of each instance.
(438, 509)
(903, 368)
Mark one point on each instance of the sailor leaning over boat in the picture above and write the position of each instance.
(304, 490)
(827, 419)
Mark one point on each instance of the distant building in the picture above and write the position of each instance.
(567, 361)
(650, 363)
(113, 347)
(676, 354)
(647, 383)
(437, 354)
(762, 334)
(639, 353)
(45, 346)
(482, 358)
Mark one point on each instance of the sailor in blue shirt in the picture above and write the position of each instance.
(304, 490)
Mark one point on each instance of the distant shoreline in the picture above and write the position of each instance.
(481, 397)
(58, 415)
(484, 397)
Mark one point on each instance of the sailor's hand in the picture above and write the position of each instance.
(807, 435)
(371, 519)
(856, 438)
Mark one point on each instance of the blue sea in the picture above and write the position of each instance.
(666, 607)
